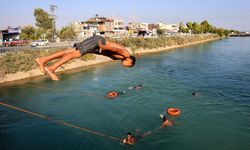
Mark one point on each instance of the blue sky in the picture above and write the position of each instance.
(231, 14)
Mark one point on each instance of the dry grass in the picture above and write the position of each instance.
(25, 60)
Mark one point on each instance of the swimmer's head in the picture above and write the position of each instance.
(140, 86)
(164, 118)
(129, 62)
(129, 135)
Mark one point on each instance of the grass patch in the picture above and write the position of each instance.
(23, 61)
(163, 41)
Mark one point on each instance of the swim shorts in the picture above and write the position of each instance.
(90, 45)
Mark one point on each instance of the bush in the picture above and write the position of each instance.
(162, 41)
(25, 60)
(88, 57)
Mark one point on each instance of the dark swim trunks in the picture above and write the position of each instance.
(90, 45)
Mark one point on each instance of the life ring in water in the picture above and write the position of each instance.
(112, 94)
(173, 111)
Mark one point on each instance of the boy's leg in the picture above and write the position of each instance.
(43, 60)
(65, 58)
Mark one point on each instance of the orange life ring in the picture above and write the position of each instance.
(112, 94)
(173, 111)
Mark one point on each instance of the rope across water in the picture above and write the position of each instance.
(60, 122)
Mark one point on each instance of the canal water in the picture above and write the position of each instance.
(217, 118)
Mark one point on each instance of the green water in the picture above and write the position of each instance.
(217, 118)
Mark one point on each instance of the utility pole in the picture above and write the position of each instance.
(53, 17)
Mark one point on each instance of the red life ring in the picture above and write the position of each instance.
(173, 111)
(112, 94)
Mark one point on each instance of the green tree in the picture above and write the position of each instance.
(183, 29)
(160, 31)
(189, 25)
(207, 28)
(44, 22)
(43, 19)
(67, 33)
(219, 31)
(28, 33)
(226, 33)
(234, 31)
(195, 28)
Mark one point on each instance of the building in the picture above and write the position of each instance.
(172, 28)
(119, 30)
(89, 29)
(133, 25)
(98, 23)
(109, 25)
(10, 34)
(78, 28)
(133, 28)
(152, 27)
(85, 29)
(140, 29)
(169, 28)
(1, 38)
(162, 26)
(118, 24)
(77, 25)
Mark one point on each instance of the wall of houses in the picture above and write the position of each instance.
(115, 27)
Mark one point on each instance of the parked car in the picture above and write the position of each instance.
(43, 42)
(16, 42)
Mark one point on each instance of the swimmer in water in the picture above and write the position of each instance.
(137, 87)
(166, 122)
(129, 140)
(195, 94)
(113, 94)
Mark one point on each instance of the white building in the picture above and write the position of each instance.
(118, 23)
(169, 28)
(119, 28)
(78, 28)
(110, 26)
(162, 26)
(143, 27)
(172, 28)
(84, 30)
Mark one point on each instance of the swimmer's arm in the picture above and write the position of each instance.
(146, 134)
(124, 141)
(133, 141)
(118, 56)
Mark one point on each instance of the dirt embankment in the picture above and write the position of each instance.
(80, 63)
